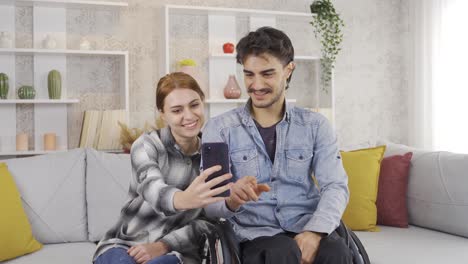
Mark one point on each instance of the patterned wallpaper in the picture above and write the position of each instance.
(370, 75)
(371, 81)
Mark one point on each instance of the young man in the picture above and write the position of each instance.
(277, 212)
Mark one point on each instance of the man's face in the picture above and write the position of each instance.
(265, 79)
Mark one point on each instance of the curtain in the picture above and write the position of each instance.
(438, 91)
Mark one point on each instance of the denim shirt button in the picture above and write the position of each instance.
(277, 210)
(301, 157)
(244, 158)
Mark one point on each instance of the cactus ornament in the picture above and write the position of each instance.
(3, 86)
(26, 92)
(54, 84)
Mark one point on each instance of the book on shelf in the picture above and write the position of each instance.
(100, 129)
(89, 131)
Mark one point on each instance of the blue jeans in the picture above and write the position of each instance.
(120, 256)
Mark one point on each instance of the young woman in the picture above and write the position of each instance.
(162, 221)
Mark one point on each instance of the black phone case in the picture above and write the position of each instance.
(216, 153)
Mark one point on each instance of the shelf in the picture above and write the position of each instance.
(303, 58)
(223, 55)
(233, 56)
(65, 3)
(236, 101)
(39, 101)
(41, 152)
(206, 10)
(29, 152)
(62, 51)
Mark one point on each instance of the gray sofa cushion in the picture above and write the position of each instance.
(52, 190)
(70, 253)
(107, 182)
(413, 245)
(437, 196)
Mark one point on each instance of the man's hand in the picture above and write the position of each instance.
(308, 243)
(145, 252)
(244, 190)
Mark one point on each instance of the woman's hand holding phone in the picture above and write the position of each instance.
(199, 194)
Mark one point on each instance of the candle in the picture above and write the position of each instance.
(49, 141)
(22, 142)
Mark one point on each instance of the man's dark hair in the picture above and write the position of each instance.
(266, 40)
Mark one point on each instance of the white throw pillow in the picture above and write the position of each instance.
(52, 188)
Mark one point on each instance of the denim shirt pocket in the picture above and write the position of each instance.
(298, 164)
(244, 163)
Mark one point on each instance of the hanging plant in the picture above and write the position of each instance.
(327, 26)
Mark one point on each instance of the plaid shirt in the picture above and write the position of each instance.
(159, 169)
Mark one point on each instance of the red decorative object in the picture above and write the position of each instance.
(232, 89)
(228, 47)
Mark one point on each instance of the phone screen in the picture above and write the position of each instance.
(216, 153)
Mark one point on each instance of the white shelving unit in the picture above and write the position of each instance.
(49, 18)
(221, 29)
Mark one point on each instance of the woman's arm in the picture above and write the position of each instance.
(148, 181)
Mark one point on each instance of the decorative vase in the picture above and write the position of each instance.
(49, 42)
(26, 92)
(85, 44)
(5, 40)
(54, 84)
(232, 89)
(3, 86)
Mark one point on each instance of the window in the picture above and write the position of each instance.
(450, 90)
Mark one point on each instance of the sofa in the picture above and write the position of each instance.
(72, 198)
(437, 201)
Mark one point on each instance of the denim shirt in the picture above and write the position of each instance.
(305, 145)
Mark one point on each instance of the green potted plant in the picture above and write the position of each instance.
(327, 26)
(189, 66)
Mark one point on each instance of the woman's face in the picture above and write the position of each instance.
(184, 113)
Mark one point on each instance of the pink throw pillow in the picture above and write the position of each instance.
(392, 209)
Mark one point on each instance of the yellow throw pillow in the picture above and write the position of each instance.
(16, 237)
(363, 169)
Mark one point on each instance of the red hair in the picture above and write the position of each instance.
(172, 81)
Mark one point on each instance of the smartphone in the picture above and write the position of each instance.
(216, 153)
